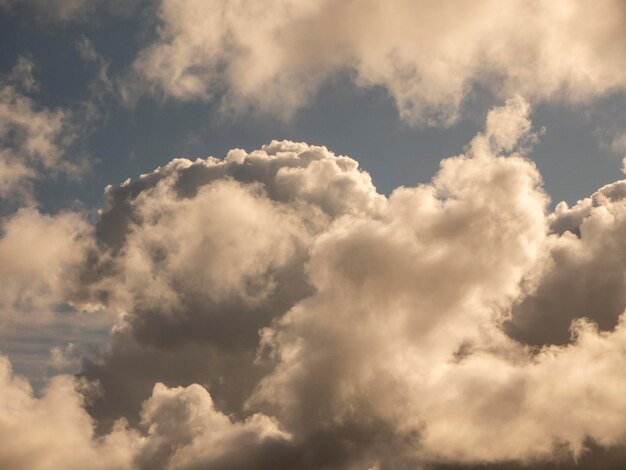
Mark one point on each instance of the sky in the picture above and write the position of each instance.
(312, 234)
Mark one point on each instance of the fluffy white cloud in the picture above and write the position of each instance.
(200, 255)
(404, 328)
(39, 255)
(529, 405)
(54, 431)
(428, 54)
(292, 317)
(396, 323)
(400, 296)
(186, 432)
(180, 429)
(224, 229)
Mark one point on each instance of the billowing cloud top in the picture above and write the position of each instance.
(273, 310)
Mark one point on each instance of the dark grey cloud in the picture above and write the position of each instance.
(583, 274)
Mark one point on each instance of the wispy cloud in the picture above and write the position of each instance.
(429, 55)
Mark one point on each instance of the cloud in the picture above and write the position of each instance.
(274, 311)
(198, 256)
(581, 274)
(429, 56)
(39, 253)
(34, 140)
(619, 144)
(400, 296)
(180, 429)
(41, 259)
(54, 431)
(396, 300)
(186, 432)
(404, 328)
(102, 85)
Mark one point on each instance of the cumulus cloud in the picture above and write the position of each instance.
(398, 297)
(427, 55)
(582, 274)
(180, 429)
(186, 432)
(273, 310)
(54, 431)
(386, 300)
(38, 254)
(200, 255)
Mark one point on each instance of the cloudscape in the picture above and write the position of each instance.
(360, 235)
